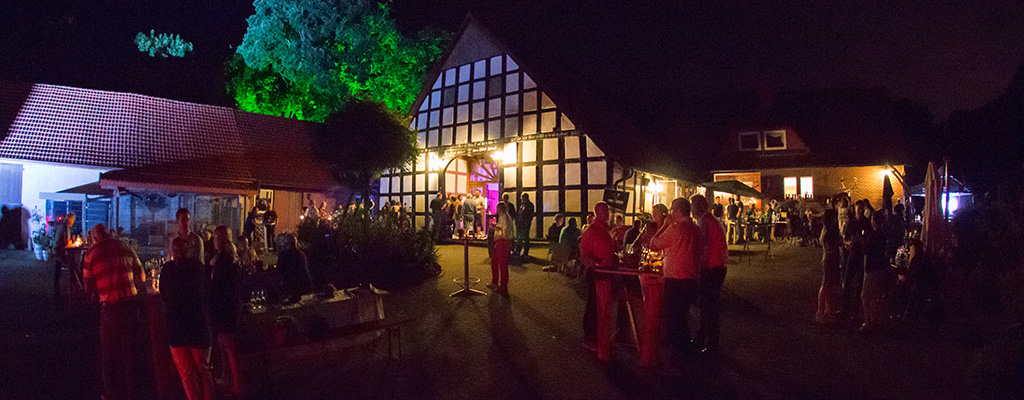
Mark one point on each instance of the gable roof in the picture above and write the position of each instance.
(150, 136)
(610, 128)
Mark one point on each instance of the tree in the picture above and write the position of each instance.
(307, 58)
(362, 140)
(163, 44)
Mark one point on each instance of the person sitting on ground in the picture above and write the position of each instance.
(293, 267)
(183, 291)
(555, 250)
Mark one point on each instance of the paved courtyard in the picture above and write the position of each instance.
(527, 345)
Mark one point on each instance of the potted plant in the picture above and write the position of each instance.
(41, 241)
(42, 244)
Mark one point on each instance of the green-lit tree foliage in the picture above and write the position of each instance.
(362, 140)
(307, 58)
(162, 45)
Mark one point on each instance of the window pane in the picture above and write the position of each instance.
(494, 108)
(495, 86)
(496, 65)
(789, 186)
(511, 82)
(463, 93)
(478, 132)
(529, 124)
(449, 77)
(528, 82)
(530, 101)
(494, 129)
(547, 122)
(511, 126)
(435, 99)
(464, 73)
(479, 90)
(447, 116)
(478, 111)
(432, 138)
(511, 104)
(448, 97)
(807, 186)
(479, 69)
(545, 102)
(749, 141)
(446, 136)
(775, 140)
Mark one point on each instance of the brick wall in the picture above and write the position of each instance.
(866, 182)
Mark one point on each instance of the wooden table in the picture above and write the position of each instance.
(653, 285)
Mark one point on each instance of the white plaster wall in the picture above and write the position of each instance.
(40, 178)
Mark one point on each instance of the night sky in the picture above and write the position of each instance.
(945, 55)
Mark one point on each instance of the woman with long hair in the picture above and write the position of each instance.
(831, 262)
(503, 234)
(225, 303)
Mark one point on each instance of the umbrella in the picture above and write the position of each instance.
(934, 223)
(734, 187)
(887, 193)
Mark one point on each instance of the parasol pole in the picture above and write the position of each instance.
(945, 189)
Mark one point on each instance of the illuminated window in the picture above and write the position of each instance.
(775, 140)
(789, 184)
(807, 186)
(750, 141)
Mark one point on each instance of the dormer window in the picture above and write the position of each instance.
(750, 141)
(775, 140)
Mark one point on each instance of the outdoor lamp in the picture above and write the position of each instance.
(435, 162)
(498, 156)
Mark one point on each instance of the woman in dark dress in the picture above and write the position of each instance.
(183, 290)
(225, 303)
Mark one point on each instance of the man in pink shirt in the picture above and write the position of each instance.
(597, 249)
(711, 278)
(683, 246)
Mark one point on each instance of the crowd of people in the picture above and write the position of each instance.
(860, 245)
(695, 253)
(200, 292)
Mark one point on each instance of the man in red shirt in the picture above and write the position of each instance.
(597, 249)
(113, 273)
(683, 244)
(711, 279)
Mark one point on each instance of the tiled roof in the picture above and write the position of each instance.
(153, 136)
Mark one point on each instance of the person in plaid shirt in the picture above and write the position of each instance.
(112, 271)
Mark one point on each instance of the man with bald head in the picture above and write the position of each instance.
(683, 244)
(716, 252)
(597, 250)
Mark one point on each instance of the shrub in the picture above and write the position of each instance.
(355, 248)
